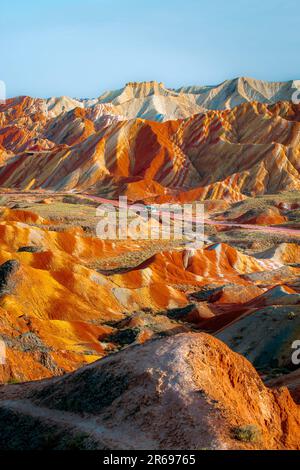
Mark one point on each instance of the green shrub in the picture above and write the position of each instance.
(246, 433)
(123, 337)
(77, 442)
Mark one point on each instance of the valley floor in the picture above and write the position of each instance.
(75, 308)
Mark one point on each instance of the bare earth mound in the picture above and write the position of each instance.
(188, 391)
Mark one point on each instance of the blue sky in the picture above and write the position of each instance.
(81, 48)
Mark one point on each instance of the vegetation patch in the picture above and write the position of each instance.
(7, 278)
(123, 337)
(30, 249)
(246, 433)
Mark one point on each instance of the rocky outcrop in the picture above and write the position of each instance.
(107, 146)
(188, 391)
(7, 276)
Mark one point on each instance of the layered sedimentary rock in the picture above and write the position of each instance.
(188, 391)
(219, 154)
(70, 295)
(69, 298)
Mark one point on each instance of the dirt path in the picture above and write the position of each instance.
(88, 424)
(262, 228)
(115, 203)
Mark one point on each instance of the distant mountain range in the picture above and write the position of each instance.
(153, 101)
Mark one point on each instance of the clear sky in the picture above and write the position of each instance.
(83, 47)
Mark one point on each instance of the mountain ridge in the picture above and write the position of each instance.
(134, 99)
(252, 149)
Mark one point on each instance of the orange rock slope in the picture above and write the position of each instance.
(220, 154)
(61, 307)
(189, 391)
(68, 298)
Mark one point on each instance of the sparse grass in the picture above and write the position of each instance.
(247, 433)
(252, 242)
(261, 202)
(123, 337)
(30, 249)
(255, 241)
(77, 442)
(131, 259)
(13, 381)
(65, 211)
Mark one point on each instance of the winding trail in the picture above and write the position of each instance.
(208, 221)
(262, 228)
(88, 424)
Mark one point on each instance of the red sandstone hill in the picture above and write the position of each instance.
(189, 391)
(68, 298)
(219, 154)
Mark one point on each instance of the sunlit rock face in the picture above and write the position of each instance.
(153, 334)
(245, 141)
